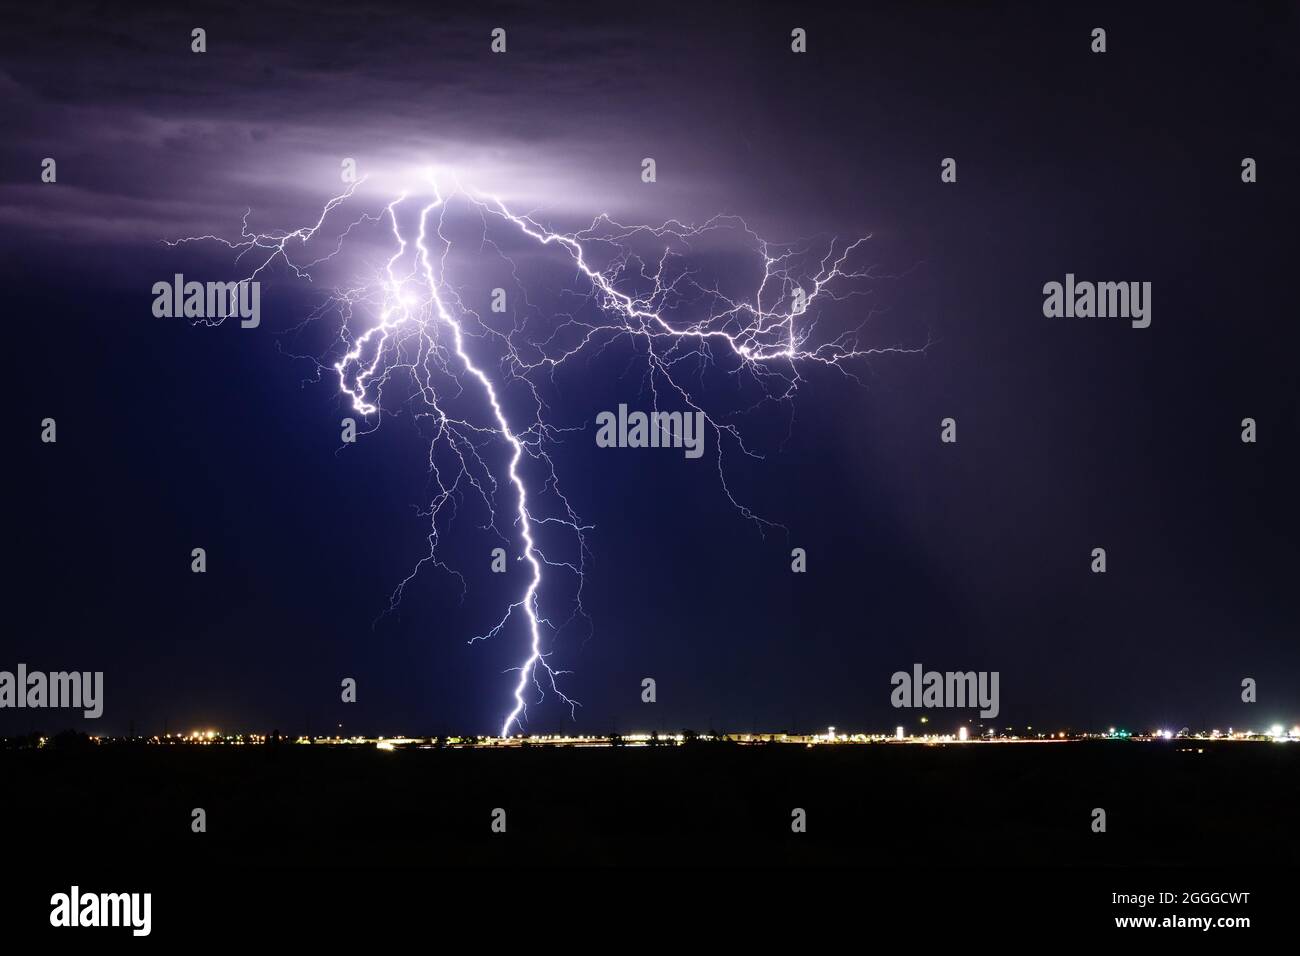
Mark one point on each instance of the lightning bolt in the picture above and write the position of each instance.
(676, 321)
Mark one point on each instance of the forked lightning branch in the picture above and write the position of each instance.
(412, 318)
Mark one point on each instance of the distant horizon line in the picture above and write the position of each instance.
(962, 734)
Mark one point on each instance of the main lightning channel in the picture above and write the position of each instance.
(529, 601)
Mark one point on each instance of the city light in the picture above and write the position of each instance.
(1277, 732)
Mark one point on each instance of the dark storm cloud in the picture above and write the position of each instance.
(153, 140)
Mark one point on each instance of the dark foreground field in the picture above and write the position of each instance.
(1167, 804)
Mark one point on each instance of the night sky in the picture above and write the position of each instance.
(1072, 433)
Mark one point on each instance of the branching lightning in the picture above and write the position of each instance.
(679, 324)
